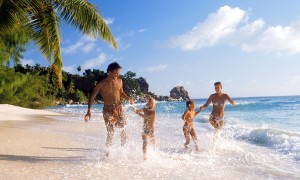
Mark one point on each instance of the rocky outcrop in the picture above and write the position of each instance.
(179, 93)
(144, 86)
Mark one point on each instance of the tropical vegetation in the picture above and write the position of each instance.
(23, 21)
(32, 86)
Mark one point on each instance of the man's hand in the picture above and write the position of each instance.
(87, 117)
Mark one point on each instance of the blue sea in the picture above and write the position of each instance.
(260, 139)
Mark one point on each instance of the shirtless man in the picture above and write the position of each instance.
(111, 90)
(149, 115)
(218, 100)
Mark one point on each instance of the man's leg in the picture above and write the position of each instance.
(123, 136)
(110, 132)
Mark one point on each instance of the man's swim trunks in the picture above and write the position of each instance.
(114, 114)
(148, 132)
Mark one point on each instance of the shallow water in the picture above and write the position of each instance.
(260, 139)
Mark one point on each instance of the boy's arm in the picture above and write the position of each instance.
(197, 112)
(184, 114)
(138, 111)
(153, 117)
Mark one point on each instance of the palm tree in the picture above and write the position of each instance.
(41, 19)
(79, 69)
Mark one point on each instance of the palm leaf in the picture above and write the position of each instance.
(84, 16)
(13, 14)
(45, 32)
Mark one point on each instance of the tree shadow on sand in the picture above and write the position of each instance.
(37, 159)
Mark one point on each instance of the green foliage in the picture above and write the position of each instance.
(79, 96)
(29, 90)
(131, 85)
(33, 86)
(12, 46)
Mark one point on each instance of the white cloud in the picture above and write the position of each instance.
(282, 40)
(109, 21)
(217, 26)
(231, 26)
(69, 69)
(86, 43)
(88, 47)
(141, 30)
(121, 45)
(73, 48)
(253, 27)
(160, 67)
(95, 62)
(27, 61)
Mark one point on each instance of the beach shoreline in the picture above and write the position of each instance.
(36, 146)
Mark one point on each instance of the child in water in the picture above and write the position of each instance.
(188, 127)
(149, 115)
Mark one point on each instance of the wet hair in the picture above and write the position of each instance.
(218, 83)
(113, 66)
(188, 103)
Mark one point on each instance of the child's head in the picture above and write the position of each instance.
(151, 103)
(190, 104)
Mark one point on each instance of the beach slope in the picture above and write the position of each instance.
(34, 146)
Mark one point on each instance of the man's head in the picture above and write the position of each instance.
(114, 69)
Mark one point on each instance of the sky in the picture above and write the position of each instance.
(251, 46)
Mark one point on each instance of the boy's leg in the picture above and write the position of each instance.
(195, 139)
(187, 136)
(121, 123)
(152, 139)
(144, 137)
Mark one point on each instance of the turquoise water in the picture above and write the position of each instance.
(260, 133)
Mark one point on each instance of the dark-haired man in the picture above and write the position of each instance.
(111, 90)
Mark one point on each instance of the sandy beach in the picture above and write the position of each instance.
(35, 146)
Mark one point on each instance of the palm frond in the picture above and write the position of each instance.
(44, 25)
(84, 16)
(13, 14)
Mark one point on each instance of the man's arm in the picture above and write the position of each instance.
(123, 95)
(91, 99)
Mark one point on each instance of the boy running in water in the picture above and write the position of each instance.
(188, 127)
(149, 115)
